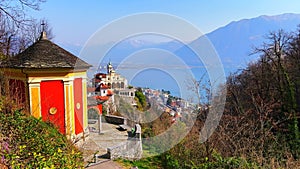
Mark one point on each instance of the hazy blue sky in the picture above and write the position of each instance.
(75, 21)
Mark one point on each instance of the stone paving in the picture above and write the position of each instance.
(106, 165)
(95, 147)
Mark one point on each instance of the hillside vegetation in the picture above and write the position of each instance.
(27, 142)
(260, 124)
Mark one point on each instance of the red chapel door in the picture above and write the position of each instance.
(78, 107)
(52, 103)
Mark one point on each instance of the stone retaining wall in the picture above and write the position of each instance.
(119, 120)
(131, 149)
(115, 119)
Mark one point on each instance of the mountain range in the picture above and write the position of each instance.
(233, 43)
(236, 41)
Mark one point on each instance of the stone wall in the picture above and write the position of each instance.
(119, 120)
(128, 150)
(115, 119)
(131, 149)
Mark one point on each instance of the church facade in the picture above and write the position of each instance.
(112, 79)
(116, 82)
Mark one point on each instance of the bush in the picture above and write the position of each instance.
(27, 142)
(141, 100)
(145, 163)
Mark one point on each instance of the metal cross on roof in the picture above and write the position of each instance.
(43, 25)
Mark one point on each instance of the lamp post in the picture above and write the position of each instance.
(100, 107)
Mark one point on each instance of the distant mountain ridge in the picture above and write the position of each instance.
(235, 41)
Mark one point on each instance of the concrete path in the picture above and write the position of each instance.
(95, 147)
(106, 165)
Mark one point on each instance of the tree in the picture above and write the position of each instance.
(260, 120)
(261, 107)
(14, 11)
(277, 53)
(17, 30)
(293, 62)
(141, 100)
(32, 33)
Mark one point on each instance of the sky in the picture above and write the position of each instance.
(74, 22)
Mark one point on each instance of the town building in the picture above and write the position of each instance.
(112, 79)
(115, 82)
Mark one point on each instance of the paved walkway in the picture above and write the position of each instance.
(95, 147)
(106, 165)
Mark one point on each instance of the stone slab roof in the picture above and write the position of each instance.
(44, 54)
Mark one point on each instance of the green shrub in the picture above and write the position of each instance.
(145, 163)
(224, 163)
(186, 160)
(141, 100)
(27, 142)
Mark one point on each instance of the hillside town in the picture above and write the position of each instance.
(183, 87)
(105, 86)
